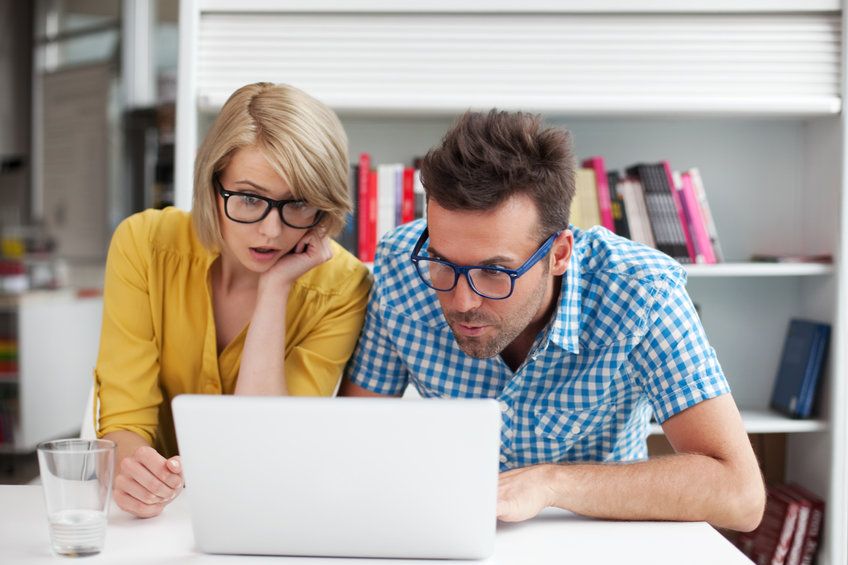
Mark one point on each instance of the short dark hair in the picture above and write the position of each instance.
(486, 158)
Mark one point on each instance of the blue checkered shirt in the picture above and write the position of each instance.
(624, 341)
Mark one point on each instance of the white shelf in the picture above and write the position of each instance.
(769, 422)
(760, 270)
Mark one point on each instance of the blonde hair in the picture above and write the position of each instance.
(302, 139)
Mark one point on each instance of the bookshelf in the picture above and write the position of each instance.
(750, 92)
(52, 337)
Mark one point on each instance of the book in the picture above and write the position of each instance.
(824, 258)
(585, 211)
(769, 543)
(619, 214)
(639, 223)
(707, 215)
(701, 242)
(349, 236)
(814, 523)
(805, 506)
(800, 367)
(407, 208)
(389, 186)
(366, 204)
(603, 190)
(660, 199)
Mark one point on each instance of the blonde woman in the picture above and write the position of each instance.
(247, 294)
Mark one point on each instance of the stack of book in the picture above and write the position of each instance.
(790, 530)
(649, 203)
(385, 195)
(799, 371)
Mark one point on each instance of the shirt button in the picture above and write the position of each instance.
(504, 406)
(575, 429)
(503, 458)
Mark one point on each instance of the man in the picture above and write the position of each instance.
(580, 335)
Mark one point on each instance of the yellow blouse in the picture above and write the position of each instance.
(158, 334)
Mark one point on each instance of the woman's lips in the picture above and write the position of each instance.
(264, 253)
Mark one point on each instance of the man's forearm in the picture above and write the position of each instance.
(685, 487)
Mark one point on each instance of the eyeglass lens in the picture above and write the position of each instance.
(247, 208)
(488, 282)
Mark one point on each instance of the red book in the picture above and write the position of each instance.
(690, 247)
(364, 206)
(407, 207)
(804, 511)
(371, 228)
(814, 524)
(698, 230)
(602, 183)
(770, 543)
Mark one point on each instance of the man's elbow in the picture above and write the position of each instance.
(748, 505)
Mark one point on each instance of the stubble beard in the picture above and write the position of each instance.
(505, 331)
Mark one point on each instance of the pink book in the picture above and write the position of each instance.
(690, 247)
(604, 200)
(407, 209)
(701, 238)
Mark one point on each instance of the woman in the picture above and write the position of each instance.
(245, 295)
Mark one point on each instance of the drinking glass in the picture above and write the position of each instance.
(77, 475)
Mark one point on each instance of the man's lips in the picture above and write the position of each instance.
(470, 331)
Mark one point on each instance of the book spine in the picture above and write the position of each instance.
(407, 212)
(603, 189)
(364, 252)
(706, 213)
(681, 215)
(700, 237)
(786, 532)
(813, 370)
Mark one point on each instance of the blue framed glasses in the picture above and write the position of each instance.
(495, 283)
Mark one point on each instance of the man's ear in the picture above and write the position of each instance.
(561, 252)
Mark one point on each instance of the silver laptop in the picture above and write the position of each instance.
(342, 477)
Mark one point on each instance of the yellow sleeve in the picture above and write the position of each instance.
(126, 375)
(315, 361)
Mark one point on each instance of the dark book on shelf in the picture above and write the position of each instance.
(663, 210)
(349, 236)
(800, 368)
(619, 213)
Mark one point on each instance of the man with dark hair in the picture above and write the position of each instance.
(580, 335)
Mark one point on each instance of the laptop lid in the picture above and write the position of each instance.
(346, 477)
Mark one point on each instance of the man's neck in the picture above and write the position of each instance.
(516, 352)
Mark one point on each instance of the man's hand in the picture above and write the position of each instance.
(147, 482)
(523, 493)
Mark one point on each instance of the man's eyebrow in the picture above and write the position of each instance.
(496, 260)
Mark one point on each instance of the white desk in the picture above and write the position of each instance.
(553, 537)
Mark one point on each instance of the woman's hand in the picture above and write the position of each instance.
(147, 482)
(310, 251)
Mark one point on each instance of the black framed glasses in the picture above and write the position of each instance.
(496, 283)
(247, 208)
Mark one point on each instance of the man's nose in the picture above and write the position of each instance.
(463, 297)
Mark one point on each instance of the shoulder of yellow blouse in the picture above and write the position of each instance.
(169, 229)
(342, 274)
